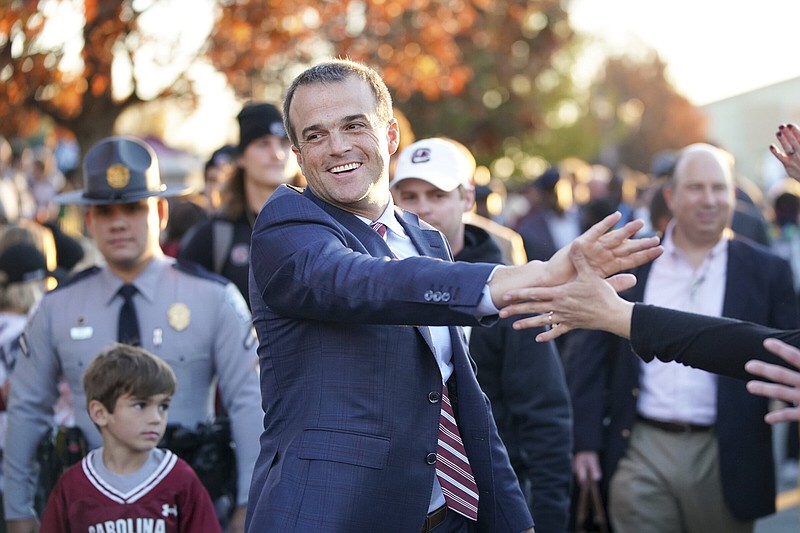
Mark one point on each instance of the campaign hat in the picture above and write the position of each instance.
(119, 170)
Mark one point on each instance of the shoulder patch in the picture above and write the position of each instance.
(193, 269)
(238, 303)
(78, 276)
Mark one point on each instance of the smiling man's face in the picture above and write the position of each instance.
(344, 148)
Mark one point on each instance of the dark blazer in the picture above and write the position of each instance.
(603, 376)
(348, 378)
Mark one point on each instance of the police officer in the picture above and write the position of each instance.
(197, 322)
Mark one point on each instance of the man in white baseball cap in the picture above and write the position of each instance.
(438, 161)
(432, 179)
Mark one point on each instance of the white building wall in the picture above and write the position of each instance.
(746, 126)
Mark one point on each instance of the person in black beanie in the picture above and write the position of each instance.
(264, 162)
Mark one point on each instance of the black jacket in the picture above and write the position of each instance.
(204, 245)
(525, 382)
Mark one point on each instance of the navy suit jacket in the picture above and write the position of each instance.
(603, 377)
(348, 377)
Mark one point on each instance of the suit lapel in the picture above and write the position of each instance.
(428, 242)
(636, 294)
(369, 238)
(738, 265)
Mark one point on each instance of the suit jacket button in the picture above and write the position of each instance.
(434, 397)
(445, 296)
(430, 458)
(626, 433)
(437, 296)
(428, 296)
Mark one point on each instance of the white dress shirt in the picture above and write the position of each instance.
(400, 244)
(671, 391)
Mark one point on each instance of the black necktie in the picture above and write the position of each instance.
(128, 328)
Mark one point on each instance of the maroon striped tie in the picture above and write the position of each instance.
(452, 466)
(380, 227)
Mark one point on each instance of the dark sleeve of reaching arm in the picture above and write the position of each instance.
(718, 345)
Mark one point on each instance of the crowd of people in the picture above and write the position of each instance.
(426, 362)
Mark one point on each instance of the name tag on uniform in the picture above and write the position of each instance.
(158, 336)
(81, 333)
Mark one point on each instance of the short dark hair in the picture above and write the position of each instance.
(123, 369)
(337, 70)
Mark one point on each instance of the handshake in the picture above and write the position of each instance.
(580, 274)
(577, 289)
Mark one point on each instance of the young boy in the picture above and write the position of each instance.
(129, 485)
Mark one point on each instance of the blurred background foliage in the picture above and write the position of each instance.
(500, 76)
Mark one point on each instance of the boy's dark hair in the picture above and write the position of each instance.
(124, 369)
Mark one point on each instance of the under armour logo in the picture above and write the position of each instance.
(166, 510)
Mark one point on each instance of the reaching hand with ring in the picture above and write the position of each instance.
(588, 301)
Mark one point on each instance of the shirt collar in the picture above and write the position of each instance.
(146, 283)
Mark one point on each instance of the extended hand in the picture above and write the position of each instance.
(786, 382)
(788, 154)
(606, 252)
(588, 301)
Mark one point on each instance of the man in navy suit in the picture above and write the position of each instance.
(679, 449)
(356, 333)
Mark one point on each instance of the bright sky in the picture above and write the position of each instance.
(713, 48)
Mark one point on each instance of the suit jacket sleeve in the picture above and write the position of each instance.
(308, 266)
